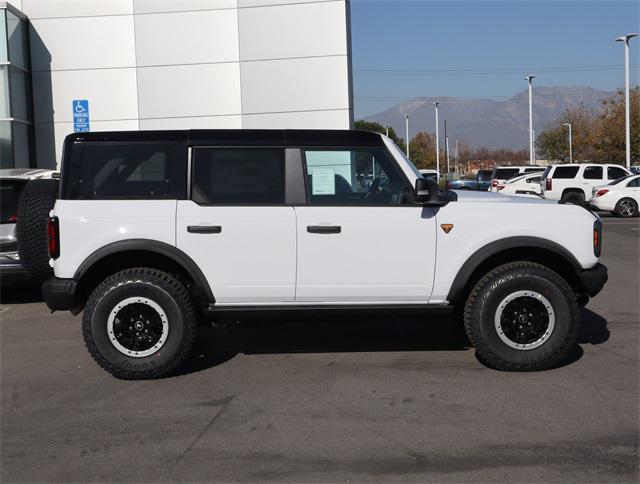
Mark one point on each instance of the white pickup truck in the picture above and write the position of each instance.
(154, 232)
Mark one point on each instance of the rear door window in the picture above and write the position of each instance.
(238, 176)
(565, 172)
(593, 173)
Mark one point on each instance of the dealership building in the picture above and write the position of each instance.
(110, 65)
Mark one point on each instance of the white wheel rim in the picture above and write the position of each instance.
(498, 320)
(113, 337)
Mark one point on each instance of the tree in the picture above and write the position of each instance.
(598, 136)
(377, 127)
(609, 135)
(423, 150)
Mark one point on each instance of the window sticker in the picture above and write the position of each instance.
(323, 181)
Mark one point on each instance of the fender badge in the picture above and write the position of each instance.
(446, 227)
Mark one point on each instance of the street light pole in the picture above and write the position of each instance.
(570, 142)
(627, 108)
(531, 157)
(446, 146)
(406, 127)
(437, 139)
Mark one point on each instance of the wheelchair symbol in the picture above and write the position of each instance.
(79, 108)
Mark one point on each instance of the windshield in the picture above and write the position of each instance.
(399, 154)
(484, 175)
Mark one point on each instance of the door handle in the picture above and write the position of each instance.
(204, 229)
(324, 229)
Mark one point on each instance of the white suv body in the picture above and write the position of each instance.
(575, 182)
(503, 173)
(275, 220)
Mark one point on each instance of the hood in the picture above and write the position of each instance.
(492, 197)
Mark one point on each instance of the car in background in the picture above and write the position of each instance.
(528, 184)
(635, 169)
(482, 181)
(503, 173)
(12, 183)
(430, 174)
(620, 197)
(573, 182)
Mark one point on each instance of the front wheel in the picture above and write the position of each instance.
(139, 324)
(522, 316)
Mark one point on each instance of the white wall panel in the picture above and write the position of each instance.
(36, 9)
(82, 43)
(301, 30)
(155, 6)
(111, 94)
(339, 119)
(187, 37)
(191, 90)
(295, 84)
(266, 3)
(195, 122)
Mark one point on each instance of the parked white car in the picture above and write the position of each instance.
(573, 183)
(523, 185)
(620, 197)
(433, 174)
(155, 231)
(503, 173)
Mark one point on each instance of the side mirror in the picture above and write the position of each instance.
(427, 192)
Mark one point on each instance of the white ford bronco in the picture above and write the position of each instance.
(156, 231)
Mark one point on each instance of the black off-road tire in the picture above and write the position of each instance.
(575, 198)
(621, 208)
(482, 305)
(36, 201)
(164, 290)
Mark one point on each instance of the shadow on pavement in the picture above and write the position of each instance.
(19, 291)
(355, 333)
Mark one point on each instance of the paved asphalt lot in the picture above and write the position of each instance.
(384, 399)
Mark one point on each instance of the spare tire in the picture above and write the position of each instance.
(36, 201)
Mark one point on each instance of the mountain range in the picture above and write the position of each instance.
(487, 122)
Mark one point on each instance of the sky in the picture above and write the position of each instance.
(483, 49)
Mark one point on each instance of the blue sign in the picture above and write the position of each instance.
(80, 115)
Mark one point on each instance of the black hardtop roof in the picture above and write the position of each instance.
(242, 137)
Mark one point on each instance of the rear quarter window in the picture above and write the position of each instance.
(505, 173)
(125, 171)
(565, 172)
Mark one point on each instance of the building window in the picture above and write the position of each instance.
(15, 91)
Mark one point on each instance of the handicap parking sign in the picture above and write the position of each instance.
(80, 115)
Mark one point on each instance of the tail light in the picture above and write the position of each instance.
(53, 237)
(448, 184)
(599, 193)
(500, 187)
(13, 219)
(494, 183)
(548, 184)
(597, 238)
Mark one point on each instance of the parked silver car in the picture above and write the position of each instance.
(12, 182)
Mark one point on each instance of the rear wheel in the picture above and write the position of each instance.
(522, 316)
(575, 198)
(36, 201)
(139, 324)
(626, 208)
